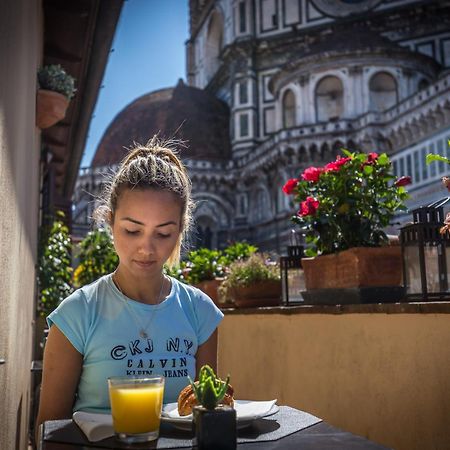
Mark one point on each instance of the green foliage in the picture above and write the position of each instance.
(97, 257)
(348, 202)
(239, 251)
(432, 157)
(54, 271)
(205, 264)
(209, 390)
(55, 78)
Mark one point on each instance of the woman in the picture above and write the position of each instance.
(137, 320)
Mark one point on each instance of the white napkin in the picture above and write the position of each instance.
(95, 426)
(245, 409)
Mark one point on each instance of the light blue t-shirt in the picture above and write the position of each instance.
(99, 324)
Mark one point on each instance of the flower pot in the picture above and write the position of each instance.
(215, 429)
(262, 293)
(211, 289)
(50, 108)
(356, 275)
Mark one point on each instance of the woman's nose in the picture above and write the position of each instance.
(147, 246)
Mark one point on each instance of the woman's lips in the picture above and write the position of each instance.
(144, 264)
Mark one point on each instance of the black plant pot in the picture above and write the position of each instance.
(215, 429)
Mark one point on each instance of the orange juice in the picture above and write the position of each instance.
(136, 404)
(136, 409)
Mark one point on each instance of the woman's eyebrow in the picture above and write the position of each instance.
(129, 219)
(171, 222)
(137, 222)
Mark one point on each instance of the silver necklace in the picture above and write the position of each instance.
(142, 329)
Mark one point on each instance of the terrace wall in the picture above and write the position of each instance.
(380, 371)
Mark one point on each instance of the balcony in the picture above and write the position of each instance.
(379, 370)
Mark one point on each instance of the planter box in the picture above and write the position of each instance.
(263, 293)
(354, 268)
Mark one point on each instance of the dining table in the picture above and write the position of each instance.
(288, 429)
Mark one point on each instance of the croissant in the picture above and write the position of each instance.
(187, 400)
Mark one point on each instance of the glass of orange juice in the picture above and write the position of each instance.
(136, 404)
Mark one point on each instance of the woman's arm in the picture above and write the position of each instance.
(207, 353)
(61, 373)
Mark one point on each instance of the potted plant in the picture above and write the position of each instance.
(254, 281)
(55, 90)
(206, 269)
(214, 424)
(344, 208)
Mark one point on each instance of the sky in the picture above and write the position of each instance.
(148, 54)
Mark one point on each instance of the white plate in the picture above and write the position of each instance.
(244, 418)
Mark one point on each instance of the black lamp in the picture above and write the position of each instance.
(426, 256)
(292, 278)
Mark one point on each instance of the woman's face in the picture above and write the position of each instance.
(146, 228)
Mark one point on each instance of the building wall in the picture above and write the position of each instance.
(20, 50)
(382, 376)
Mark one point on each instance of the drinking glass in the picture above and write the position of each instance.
(136, 404)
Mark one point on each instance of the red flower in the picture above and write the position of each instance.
(336, 165)
(308, 207)
(372, 157)
(312, 174)
(403, 181)
(290, 185)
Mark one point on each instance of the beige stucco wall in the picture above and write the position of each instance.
(383, 376)
(20, 50)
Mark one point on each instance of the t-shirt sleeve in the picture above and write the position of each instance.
(72, 318)
(208, 315)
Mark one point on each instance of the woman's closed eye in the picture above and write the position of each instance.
(131, 231)
(163, 236)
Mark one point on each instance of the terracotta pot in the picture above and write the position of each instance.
(262, 293)
(210, 288)
(50, 108)
(355, 267)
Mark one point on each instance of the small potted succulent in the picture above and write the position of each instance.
(55, 90)
(214, 424)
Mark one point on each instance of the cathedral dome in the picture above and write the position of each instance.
(187, 113)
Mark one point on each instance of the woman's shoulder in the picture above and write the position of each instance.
(192, 297)
(89, 293)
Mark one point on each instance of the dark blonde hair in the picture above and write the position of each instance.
(151, 166)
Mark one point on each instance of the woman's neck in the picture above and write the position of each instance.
(150, 290)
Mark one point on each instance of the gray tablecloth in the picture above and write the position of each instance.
(284, 422)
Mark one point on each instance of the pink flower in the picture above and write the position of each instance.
(290, 185)
(336, 165)
(403, 181)
(312, 174)
(308, 207)
(372, 157)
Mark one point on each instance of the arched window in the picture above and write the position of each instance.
(288, 109)
(383, 91)
(329, 99)
(261, 205)
(214, 43)
(423, 84)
